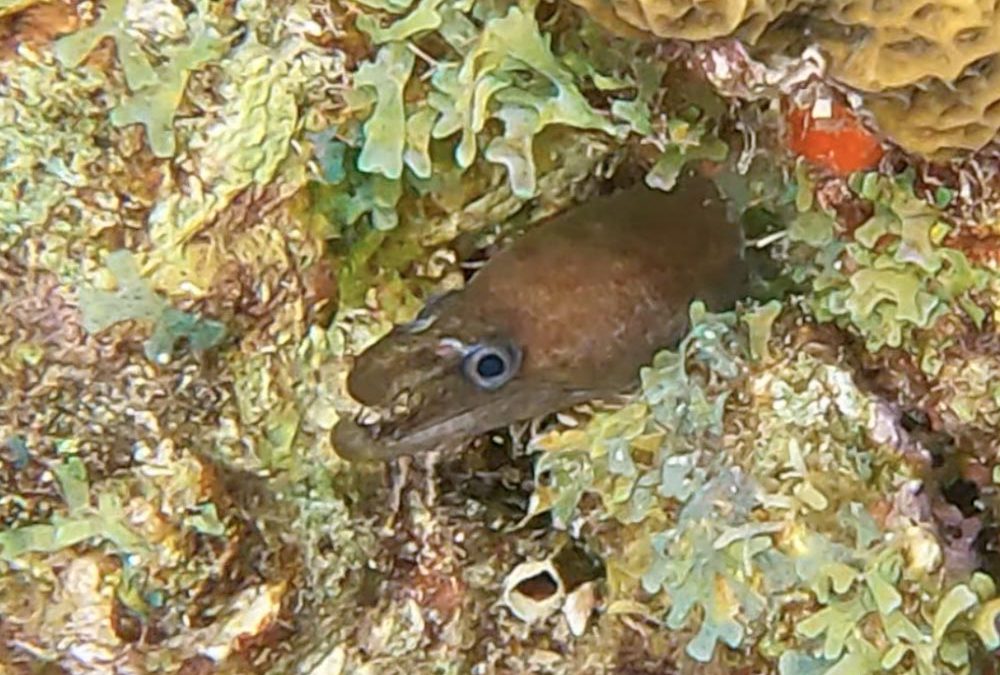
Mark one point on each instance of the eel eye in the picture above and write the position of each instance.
(491, 366)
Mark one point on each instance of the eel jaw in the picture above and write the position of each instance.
(357, 442)
(377, 435)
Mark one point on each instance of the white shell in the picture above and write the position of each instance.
(578, 607)
(527, 608)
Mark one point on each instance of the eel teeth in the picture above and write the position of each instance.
(368, 417)
(401, 403)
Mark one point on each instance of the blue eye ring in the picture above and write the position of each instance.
(490, 366)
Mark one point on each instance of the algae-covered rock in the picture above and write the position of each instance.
(740, 502)
(209, 208)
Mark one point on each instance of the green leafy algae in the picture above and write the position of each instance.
(73, 49)
(156, 92)
(759, 323)
(206, 520)
(343, 202)
(136, 300)
(747, 484)
(424, 17)
(509, 43)
(689, 139)
(697, 570)
(509, 72)
(384, 144)
(72, 477)
(895, 276)
(82, 522)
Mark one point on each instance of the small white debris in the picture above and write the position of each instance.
(578, 607)
(822, 108)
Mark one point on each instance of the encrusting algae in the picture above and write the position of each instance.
(210, 210)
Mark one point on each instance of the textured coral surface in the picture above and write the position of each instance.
(927, 68)
(207, 209)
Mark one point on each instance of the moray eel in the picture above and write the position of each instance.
(567, 313)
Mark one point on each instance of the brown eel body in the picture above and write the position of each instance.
(569, 312)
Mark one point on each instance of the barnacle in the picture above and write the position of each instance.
(535, 604)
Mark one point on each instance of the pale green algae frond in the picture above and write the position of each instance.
(179, 225)
(885, 291)
(154, 93)
(510, 72)
(766, 507)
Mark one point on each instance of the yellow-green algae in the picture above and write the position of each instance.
(134, 300)
(752, 502)
(54, 135)
(886, 290)
(744, 499)
(508, 72)
(155, 92)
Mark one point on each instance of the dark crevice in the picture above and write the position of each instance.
(964, 494)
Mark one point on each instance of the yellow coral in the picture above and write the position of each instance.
(698, 20)
(928, 68)
(905, 41)
(945, 116)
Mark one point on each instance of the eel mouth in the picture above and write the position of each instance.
(384, 421)
(405, 427)
(356, 440)
(358, 443)
(388, 420)
(384, 432)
